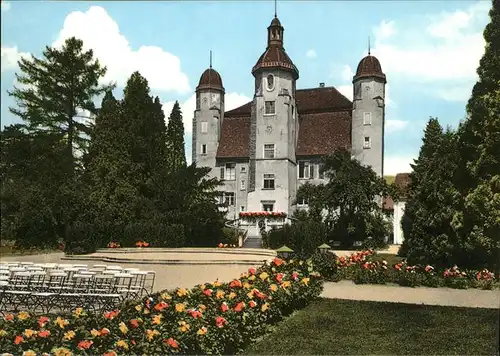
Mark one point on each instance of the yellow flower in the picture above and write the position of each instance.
(23, 315)
(247, 285)
(263, 276)
(250, 295)
(146, 311)
(61, 322)
(232, 295)
(138, 307)
(150, 334)
(183, 326)
(180, 307)
(69, 335)
(202, 331)
(62, 351)
(78, 312)
(95, 333)
(122, 343)
(244, 275)
(182, 292)
(3, 333)
(301, 263)
(251, 278)
(29, 353)
(264, 307)
(202, 307)
(166, 296)
(220, 294)
(123, 328)
(203, 287)
(217, 283)
(273, 287)
(286, 284)
(305, 280)
(156, 319)
(29, 332)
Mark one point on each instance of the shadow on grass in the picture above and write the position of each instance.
(344, 327)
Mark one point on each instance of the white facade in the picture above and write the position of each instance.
(399, 208)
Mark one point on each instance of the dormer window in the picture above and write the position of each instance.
(270, 82)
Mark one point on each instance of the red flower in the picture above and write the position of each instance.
(85, 344)
(134, 323)
(9, 317)
(42, 321)
(19, 339)
(277, 261)
(279, 277)
(112, 314)
(259, 294)
(252, 270)
(195, 313)
(44, 333)
(224, 307)
(295, 276)
(239, 307)
(110, 353)
(160, 306)
(220, 322)
(172, 343)
(252, 304)
(104, 331)
(207, 292)
(236, 283)
(220, 245)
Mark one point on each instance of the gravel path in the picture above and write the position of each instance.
(172, 276)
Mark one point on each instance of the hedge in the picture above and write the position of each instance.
(214, 318)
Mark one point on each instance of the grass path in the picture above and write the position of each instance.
(345, 327)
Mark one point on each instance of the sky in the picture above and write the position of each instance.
(429, 51)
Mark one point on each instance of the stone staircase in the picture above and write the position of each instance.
(252, 242)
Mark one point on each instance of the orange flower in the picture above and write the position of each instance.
(85, 344)
(160, 306)
(42, 321)
(202, 331)
(18, 340)
(277, 261)
(264, 307)
(9, 317)
(172, 343)
(180, 307)
(252, 304)
(44, 333)
(239, 307)
(112, 314)
(236, 283)
(156, 319)
(122, 343)
(220, 322)
(104, 331)
(134, 323)
(110, 353)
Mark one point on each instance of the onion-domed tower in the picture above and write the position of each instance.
(368, 115)
(208, 117)
(273, 127)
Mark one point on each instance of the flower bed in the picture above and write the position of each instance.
(363, 267)
(214, 318)
(262, 214)
(221, 245)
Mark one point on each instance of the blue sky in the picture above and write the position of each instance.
(428, 50)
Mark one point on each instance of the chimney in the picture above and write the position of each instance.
(321, 85)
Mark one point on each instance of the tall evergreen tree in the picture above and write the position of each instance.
(429, 236)
(176, 154)
(479, 216)
(58, 92)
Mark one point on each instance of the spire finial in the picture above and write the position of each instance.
(275, 8)
(210, 59)
(369, 45)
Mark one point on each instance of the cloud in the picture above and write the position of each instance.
(311, 53)
(5, 6)
(397, 164)
(439, 49)
(10, 57)
(101, 33)
(392, 126)
(231, 100)
(345, 90)
(347, 74)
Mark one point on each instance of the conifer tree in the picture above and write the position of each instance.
(176, 155)
(479, 215)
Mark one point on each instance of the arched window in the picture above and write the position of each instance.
(270, 82)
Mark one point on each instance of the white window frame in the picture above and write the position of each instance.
(243, 184)
(270, 149)
(228, 197)
(204, 127)
(367, 143)
(204, 149)
(228, 167)
(270, 87)
(302, 203)
(367, 118)
(307, 170)
(268, 177)
(265, 107)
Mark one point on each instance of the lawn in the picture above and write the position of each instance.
(342, 327)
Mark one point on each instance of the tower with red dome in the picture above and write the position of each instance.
(208, 117)
(368, 114)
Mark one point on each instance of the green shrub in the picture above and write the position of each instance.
(83, 238)
(231, 236)
(303, 237)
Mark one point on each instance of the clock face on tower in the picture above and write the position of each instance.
(214, 98)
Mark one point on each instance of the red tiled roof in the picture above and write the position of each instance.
(325, 124)
(275, 56)
(210, 79)
(235, 136)
(322, 133)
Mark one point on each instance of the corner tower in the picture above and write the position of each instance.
(273, 127)
(208, 117)
(368, 115)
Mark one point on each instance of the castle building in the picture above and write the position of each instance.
(266, 149)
